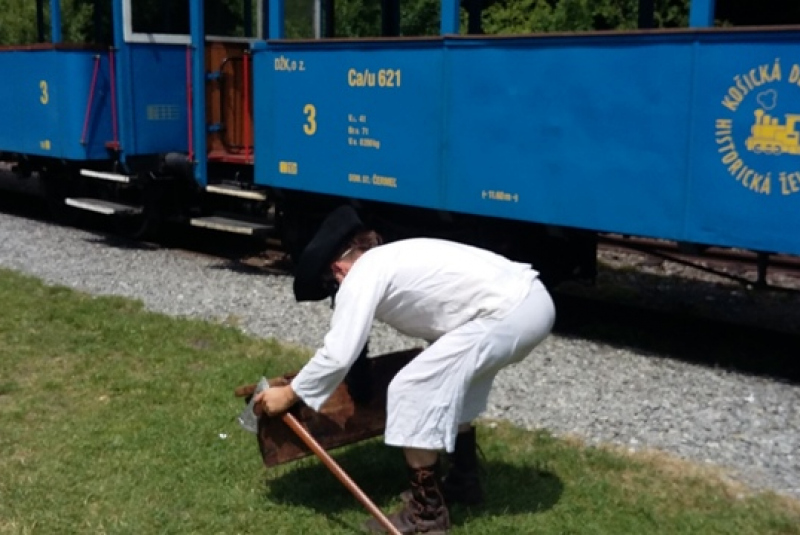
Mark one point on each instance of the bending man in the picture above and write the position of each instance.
(481, 311)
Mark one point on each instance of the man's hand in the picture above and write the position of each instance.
(276, 400)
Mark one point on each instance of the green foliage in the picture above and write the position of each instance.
(362, 18)
(420, 17)
(299, 19)
(18, 21)
(358, 18)
(537, 16)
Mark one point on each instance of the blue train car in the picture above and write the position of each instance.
(61, 101)
(94, 120)
(530, 145)
(135, 127)
(685, 135)
(153, 99)
(56, 102)
(663, 135)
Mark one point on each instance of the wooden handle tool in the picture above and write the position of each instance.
(249, 421)
(337, 471)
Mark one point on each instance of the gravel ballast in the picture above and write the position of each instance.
(749, 426)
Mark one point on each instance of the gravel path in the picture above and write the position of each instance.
(748, 425)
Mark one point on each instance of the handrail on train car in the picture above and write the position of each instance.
(247, 139)
(189, 105)
(92, 87)
(198, 49)
(115, 144)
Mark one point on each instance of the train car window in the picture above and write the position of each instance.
(375, 18)
(372, 18)
(168, 17)
(167, 21)
(301, 17)
(542, 16)
(757, 13)
(24, 22)
(316, 19)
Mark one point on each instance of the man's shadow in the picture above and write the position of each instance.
(380, 472)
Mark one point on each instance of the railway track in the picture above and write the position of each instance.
(635, 278)
(745, 267)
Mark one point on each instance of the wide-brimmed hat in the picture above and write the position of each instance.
(338, 227)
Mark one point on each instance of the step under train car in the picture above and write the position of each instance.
(687, 135)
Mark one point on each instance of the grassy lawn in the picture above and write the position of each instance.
(116, 420)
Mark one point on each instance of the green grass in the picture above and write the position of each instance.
(112, 421)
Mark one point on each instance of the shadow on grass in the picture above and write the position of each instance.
(380, 472)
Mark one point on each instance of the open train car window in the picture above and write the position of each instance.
(167, 21)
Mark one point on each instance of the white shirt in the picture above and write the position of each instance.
(423, 288)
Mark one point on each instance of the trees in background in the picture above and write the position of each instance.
(362, 18)
(18, 21)
(532, 16)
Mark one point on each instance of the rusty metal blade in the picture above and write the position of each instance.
(340, 421)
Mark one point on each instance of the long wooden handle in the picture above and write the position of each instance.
(337, 471)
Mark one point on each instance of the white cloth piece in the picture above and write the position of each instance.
(449, 383)
(430, 289)
(423, 288)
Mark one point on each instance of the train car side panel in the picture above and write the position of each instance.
(745, 189)
(159, 100)
(45, 95)
(686, 136)
(587, 132)
(361, 121)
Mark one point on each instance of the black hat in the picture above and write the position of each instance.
(336, 229)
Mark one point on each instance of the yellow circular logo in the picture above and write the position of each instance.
(757, 134)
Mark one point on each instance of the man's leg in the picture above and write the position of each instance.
(423, 407)
(512, 339)
(432, 399)
(417, 458)
(462, 483)
(425, 510)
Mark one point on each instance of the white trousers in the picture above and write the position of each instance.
(449, 382)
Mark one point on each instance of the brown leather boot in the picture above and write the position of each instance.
(462, 483)
(424, 512)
